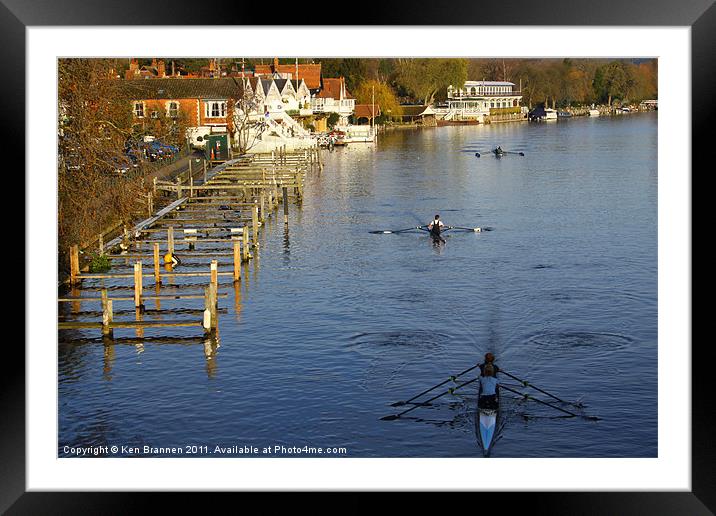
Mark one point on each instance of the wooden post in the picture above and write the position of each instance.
(207, 310)
(154, 190)
(299, 185)
(214, 271)
(191, 186)
(74, 264)
(255, 224)
(170, 239)
(262, 216)
(237, 261)
(138, 284)
(106, 314)
(245, 244)
(150, 203)
(204, 171)
(178, 188)
(285, 205)
(101, 244)
(190, 172)
(157, 274)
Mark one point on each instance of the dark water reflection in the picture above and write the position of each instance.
(334, 324)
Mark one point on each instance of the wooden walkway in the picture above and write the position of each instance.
(228, 209)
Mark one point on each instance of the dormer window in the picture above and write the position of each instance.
(139, 109)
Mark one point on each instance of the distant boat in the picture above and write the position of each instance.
(564, 114)
(593, 112)
(539, 114)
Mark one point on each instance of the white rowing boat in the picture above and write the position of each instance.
(487, 418)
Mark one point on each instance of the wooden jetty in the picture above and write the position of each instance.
(226, 206)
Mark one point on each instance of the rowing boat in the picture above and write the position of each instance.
(487, 418)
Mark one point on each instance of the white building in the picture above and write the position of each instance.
(477, 99)
(334, 98)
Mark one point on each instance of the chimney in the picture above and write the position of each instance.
(275, 64)
(134, 64)
(161, 70)
(154, 62)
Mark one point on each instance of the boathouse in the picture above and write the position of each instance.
(478, 99)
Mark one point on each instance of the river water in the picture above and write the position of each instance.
(331, 323)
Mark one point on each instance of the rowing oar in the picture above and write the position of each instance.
(449, 391)
(513, 152)
(389, 231)
(476, 230)
(451, 379)
(527, 384)
(528, 397)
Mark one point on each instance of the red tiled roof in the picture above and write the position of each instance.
(366, 110)
(332, 89)
(311, 73)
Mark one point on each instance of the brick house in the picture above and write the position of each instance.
(200, 102)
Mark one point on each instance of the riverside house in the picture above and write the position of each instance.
(477, 99)
(334, 98)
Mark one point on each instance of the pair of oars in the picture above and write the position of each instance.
(453, 389)
(424, 228)
(502, 152)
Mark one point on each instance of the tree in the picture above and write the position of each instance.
(247, 124)
(613, 80)
(384, 96)
(94, 123)
(333, 120)
(424, 78)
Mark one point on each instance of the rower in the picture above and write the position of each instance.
(488, 388)
(489, 360)
(498, 150)
(435, 226)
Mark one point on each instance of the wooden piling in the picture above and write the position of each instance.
(170, 239)
(191, 186)
(214, 271)
(255, 224)
(157, 273)
(245, 245)
(101, 244)
(210, 321)
(262, 207)
(74, 264)
(285, 205)
(237, 261)
(138, 284)
(204, 171)
(107, 315)
(179, 189)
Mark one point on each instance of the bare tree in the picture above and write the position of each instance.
(247, 123)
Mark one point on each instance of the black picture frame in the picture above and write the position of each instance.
(700, 15)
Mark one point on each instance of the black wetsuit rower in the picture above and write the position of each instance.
(435, 230)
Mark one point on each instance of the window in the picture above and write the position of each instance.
(139, 109)
(173, 109)
(154, 114)
(215, 109)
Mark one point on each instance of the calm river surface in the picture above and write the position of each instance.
(332, 324)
